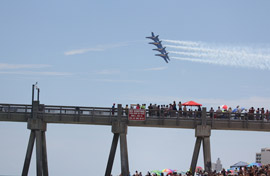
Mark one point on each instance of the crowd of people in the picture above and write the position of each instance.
(180, 110)
(263, 170)
(241, 113)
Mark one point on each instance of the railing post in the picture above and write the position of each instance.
(119, 112)
(204, 116)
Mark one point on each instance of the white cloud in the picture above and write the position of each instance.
(82, 51)
(4, 66)
(96, 49)
(155, 69)
(119, 81)
(36, 73)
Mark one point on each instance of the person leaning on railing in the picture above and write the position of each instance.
(219, 112)
(251, 113)
(185, 111)
(180, 109)
(225, 114)
(262, 114)
(126, 110)
(150, 107)
(267, 116)
(258, 114)
(211, 112)
(113, 109)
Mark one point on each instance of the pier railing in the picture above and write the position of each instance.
(110, 112)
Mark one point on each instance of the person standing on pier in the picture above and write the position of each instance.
(126, 110)
(113, 109)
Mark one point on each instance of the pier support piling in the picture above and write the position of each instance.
(119, 129)
(124, 154)
(112, 154)
(37, 135)
(202, 134)
(207, 154)
(195, 154)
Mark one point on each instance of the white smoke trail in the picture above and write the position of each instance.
(182, 42)
(229, 62)
(220, 51)
(189, 54)
(216, 62)
(228, 56)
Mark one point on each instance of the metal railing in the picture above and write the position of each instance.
(150, 113)
(15, 108)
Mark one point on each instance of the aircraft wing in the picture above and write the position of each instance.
(157, 44)
(164, 56)
(153, 37)
(161, 50)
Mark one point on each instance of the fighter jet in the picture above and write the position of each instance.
(157, 44)
(161, 50)
(164, 56)
(153, 37)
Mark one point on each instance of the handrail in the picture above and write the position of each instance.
(150, 113)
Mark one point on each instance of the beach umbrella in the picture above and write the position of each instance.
(198, 169)
(234, 110)
(158, 172)
(232, 172)
(167, 171)
(191, 103)
(224, 107)
(180, 172)
(255, 164)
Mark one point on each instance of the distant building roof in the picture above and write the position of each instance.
(239, 164)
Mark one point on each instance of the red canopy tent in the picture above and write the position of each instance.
(191, 103)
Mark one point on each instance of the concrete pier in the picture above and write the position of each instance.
(37, 116)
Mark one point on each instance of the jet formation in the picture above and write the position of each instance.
(160, 48)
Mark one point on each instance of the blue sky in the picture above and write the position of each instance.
(94, 53)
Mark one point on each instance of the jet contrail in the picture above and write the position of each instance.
(238, 56)
(220, 51)
(189, 54)
(229, 62)
(189, 43)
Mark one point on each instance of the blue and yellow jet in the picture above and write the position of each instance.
(159, 48)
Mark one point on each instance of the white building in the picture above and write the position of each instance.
(217, 166)
(263, 157)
